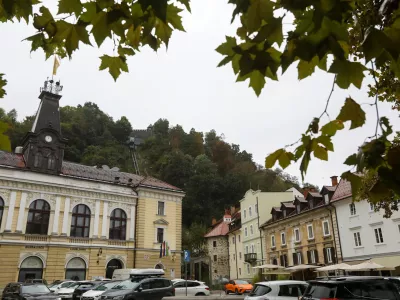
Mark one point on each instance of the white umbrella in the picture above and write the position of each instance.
(301, 267)
(269, 266)
(334, 267)
(365, 266)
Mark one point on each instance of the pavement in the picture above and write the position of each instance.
(214, 295)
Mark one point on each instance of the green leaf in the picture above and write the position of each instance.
(326, 141)
(133, 36)
(355, 181)
(307, 68)
(114, 64)
(173, 16)
(271, 159)
(320, 152)
(271, 32)
(259, 10)
(69, 7)
(91, 12)
(186, 3)
(163, 31)
(3, 83)
(223, 62)
(5, 143)
(331, 127)
(285, 158)
(71, 34)
(100, 28)
(159, 7)
(122, 51)
(37, 40)
(385, 125)
(327, 5)
(41, 21)
(226, 48)
(322, 63)
(257, 81)
(351, 111)
(351, 160)
(347, 73)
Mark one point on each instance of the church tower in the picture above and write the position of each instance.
(43, 146)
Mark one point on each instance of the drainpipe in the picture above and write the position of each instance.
(136, 234)
(237, 273)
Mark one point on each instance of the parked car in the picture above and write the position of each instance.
(96, 293)
(150, 288)
(194, 288)
(278, 290)
(395, 281)
(27, 291)
(238, 287)
(351, 288)
(83, 288)
(55, 286)
(123, 274)
(67, 292)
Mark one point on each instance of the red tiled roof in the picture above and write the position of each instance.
(288, 204)
(343, 190)
(221, 229)
(91, 173)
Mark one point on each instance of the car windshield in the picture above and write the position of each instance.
(241, 282)
(106, 286)
(321, 291)
(35, 289)
(126, 285)
(66, 284)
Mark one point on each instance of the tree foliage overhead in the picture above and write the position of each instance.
(213, 173)
(351, 39)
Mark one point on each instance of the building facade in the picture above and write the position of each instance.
(65, 220)
(236, 255)
(255, 209)
(218, 249)
(364, 232)
(301, 231)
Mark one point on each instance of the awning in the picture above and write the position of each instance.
(276, 272)
(388, 262)
(269, 266)
(333, 268)
(366, 266)
(301, 267)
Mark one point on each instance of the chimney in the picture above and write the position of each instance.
(214, 221)
(334, 180)
(19, 150)
(305, 192)
(227, 211)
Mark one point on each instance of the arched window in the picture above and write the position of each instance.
(31, 268)
(111, 266)
(1, 209)
(80, 223)
(38, 217)
(76, 268)
(117, 225)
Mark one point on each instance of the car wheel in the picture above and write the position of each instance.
(200, 294)
(237, 292)
(226, 292)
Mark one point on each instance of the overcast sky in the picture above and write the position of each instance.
(184, 86)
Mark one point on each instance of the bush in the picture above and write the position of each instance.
(257, 278)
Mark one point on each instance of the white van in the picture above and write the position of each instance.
(123, 274)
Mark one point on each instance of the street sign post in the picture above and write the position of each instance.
(186, 259)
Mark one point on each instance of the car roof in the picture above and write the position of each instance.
(347, 278)
(31, 283)
(281, 282)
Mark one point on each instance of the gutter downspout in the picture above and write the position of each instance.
(136, 234)
(237, 273)
(259, 230)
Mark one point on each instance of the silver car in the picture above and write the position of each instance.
(277, 290)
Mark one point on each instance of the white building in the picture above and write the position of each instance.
(236, 255)
(256, 209)
(364, 233)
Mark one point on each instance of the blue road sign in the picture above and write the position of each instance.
(186, 255)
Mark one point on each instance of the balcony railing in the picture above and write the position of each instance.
(250, 257)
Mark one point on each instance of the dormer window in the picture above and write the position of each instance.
(298, 208)
(274, 216)
(38, 160)
(51, 162)
(326, 198)
(284, 213)
(311, 203)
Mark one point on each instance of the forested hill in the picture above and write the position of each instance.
(213, 173)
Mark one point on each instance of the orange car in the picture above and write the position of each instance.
(238, 287)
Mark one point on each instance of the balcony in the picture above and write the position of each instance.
(250, 257)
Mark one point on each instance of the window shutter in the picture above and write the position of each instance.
(333, 255)
(286, 260)
(316, 255)
(325, 256)
(301, 259)
(281, 260)
(294, 258)
(309, 257)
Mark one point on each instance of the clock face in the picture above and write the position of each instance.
(48, 138)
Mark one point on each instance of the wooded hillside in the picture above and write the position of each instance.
(213, 173)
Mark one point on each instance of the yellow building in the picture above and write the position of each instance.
(65, 220)
(302, 231)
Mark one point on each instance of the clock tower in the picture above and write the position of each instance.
(43, 146)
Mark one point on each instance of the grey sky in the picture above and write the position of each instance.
(184, 86)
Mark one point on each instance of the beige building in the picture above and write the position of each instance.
(65, 220)
(301, 231)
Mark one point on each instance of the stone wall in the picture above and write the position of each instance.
(219, 257)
